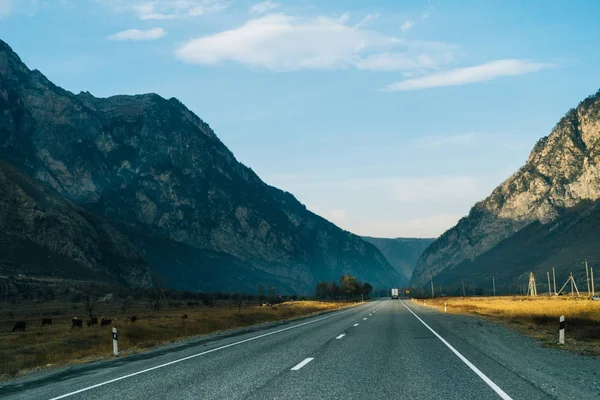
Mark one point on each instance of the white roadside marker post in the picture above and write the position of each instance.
(561, 331)
(115, 345)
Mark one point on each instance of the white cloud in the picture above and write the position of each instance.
(264, 7)
(366, 19)
(463, 76)
(407, 25)
(167, 9)
(283, 43)
(138, 34)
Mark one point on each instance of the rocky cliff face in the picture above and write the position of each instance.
(562, 172)
(156, 168)
(402, 253)
(43, 233)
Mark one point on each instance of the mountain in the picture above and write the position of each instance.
(402, 253)
(43, 233)
(544, 215)
(198, 216)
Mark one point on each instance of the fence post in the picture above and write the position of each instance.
(115, 345)
(561, 331)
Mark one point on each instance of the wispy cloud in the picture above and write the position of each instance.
(281, 42)
(366, 20)
(464, 76)
(264, 7)
(407, 25)
(139, 34)
(167, 9)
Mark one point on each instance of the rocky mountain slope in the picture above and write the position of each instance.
(546, 201)
(152, 166)
(402, 253)
(42, 233)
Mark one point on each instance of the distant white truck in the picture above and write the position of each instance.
(394, 293)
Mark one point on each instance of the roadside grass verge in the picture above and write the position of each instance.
(537, 317)
(59, 344)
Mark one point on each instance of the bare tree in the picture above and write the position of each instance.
(159, 294)
(90, 301)
(239, 300)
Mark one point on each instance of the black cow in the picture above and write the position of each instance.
(133, 318)
(76, 322)
(104, 321)
(184, 316)
(93, 321)
(19, 326)
(46, 321)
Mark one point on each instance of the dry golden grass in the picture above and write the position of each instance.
(60, 344)
(538, 317)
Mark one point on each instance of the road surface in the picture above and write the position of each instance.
(381, 350)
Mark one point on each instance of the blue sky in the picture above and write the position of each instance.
(390, 118)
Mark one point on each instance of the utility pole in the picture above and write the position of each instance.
(431, 278)
(593, 291)
(230, 294)
(494, 284)
(441, 294)
(554, 279)
(463, 287)
(549, 287)
(587, 276)
(298, 287)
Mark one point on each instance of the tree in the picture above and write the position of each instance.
(367, 289)
(239, 300)
(158, 293)
(349, 285)
(90, 301)
(322, 290)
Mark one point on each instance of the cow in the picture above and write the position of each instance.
(19, 326)
(133, 318)
(76, 322)
(184, 316)
(105, 322)
(92, 322)
(46, 321)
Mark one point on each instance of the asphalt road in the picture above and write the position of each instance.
(381, 350)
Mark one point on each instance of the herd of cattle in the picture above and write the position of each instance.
(77, 322)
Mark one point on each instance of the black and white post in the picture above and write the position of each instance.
(115, 345)
(561, 331)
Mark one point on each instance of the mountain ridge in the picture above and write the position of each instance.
(561, 172)
(149, 164)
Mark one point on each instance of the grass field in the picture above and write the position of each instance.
(537, 317)
(60, 344)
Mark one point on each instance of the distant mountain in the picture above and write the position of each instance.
(197, 215)
(544, 215)
(402, 253)
(42, 233)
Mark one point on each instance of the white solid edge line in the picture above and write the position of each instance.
(198, 354)
(487, 380)
(340, 336)
(302, 364)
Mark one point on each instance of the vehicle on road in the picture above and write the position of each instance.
(395, 292)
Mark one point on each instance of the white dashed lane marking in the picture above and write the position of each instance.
(302, 364)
